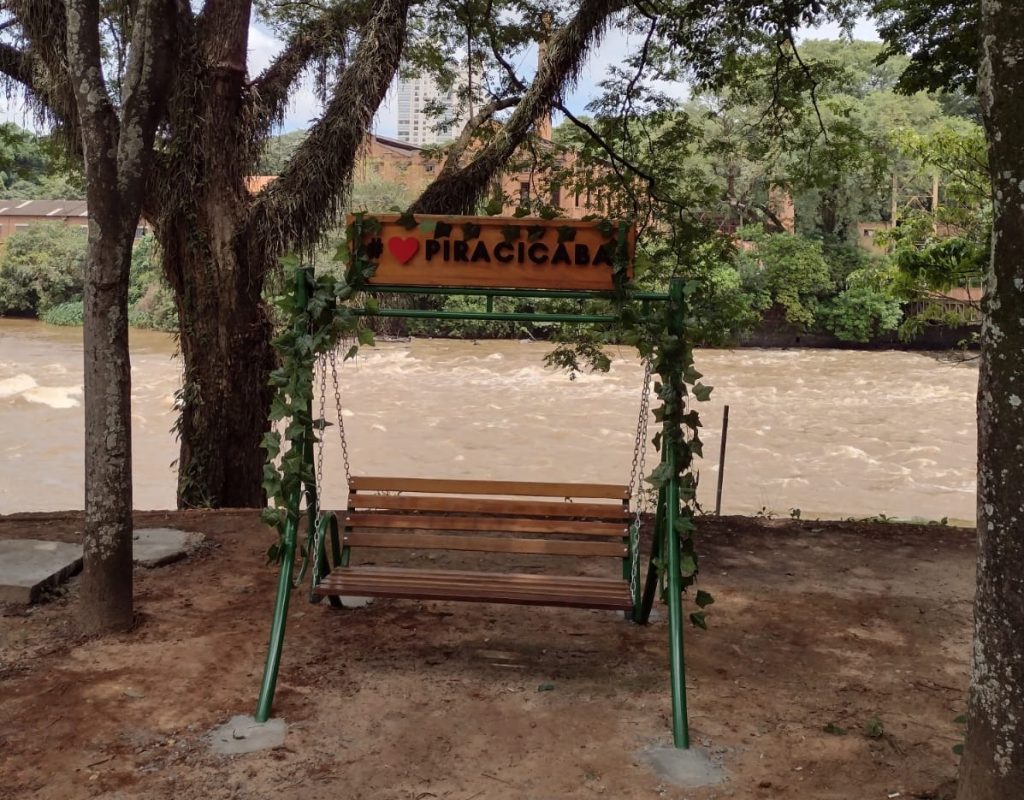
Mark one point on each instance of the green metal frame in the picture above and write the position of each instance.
(665, 533)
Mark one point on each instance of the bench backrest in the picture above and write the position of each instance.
(488, 516)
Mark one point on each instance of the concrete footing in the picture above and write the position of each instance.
(243, 734)
(688, 768)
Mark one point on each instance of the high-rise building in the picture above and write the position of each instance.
(418, 127)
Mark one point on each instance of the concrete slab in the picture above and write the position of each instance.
(28, 566)
(243, 734)
(688, 768)
(154, 547)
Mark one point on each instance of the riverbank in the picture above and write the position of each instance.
(837, 658)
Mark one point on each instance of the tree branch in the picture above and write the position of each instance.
(291, 213)
(460, 145)
(44, 74)
(144, 88)
(96, 115)
(267, 96)
(459, 191)
(18, 65)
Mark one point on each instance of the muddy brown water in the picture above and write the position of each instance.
(843, 433)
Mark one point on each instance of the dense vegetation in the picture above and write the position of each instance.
(862, 154)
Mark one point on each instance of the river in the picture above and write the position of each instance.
(842, 433)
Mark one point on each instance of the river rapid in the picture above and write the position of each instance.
(837, 433)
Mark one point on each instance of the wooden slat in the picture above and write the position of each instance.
(484, 544)
(486, 505)
(513, 488)
(518, 589)
(526, 580)
(485, 524)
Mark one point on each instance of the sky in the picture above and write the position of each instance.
(304, 107)
(613, 49)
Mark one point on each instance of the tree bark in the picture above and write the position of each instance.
(116, 153)
(225, 336)
(992, 767)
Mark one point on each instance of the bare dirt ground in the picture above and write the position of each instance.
(815, 624)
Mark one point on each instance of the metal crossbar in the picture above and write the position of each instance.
(557, 294)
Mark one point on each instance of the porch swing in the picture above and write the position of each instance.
(526, 518)
(573, 519)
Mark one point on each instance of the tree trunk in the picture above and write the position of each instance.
(106, 588)
(225, 345)
(992, 767)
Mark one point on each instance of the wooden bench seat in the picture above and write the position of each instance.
(481, 587)
(586, 520)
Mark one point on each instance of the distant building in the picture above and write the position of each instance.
(17, 215)
(417, 126)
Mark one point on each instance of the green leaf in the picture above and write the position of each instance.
(442, 229)
(470, 230)
(546, 687)
(535, 233)
(702, 392)
(511, 233)
(703, 599)
(688, 564)
(566, 233)
(272, 516)
(660, 476)
(684, 525)
(549, 213)
(961, 720)
(351, 352)
(606, 228)
(958, 749)
(699, 620)
(372, 305)
(365, 336)
(521, 212)
(407, 220)
(834, 730)
(271, 443)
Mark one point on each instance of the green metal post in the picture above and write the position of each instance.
(677, 662)
(284, 590)
(284, 580)
(651, 584)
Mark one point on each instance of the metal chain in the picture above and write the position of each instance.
(636, 478)
(341, 418)
(316, 535)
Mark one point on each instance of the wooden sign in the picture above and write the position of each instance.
(499, 252)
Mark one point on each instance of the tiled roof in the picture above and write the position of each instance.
(58, 209)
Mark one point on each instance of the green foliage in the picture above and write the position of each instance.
(150, 299)
(70, 314)
(785, 271)
(858, 315)
(278, 150)
(941, 37)
(41, 267)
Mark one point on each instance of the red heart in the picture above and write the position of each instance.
(403, 249)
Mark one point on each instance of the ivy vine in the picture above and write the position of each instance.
(320, 315)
